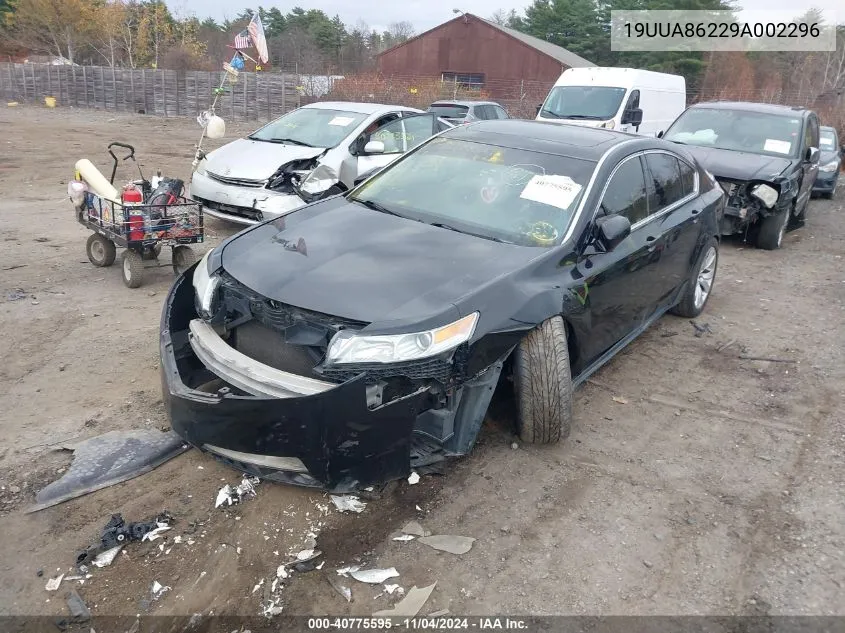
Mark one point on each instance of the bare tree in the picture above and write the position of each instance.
(59, 28)
(400, 31)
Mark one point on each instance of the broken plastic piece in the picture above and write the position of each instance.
(340, 588)
(281, 572)
(346, 503)
(258, 586)
(104, 559)
(152, 535)
(414, 528)
(414, 478)
(158, 589)
(345, 571)
(230, 496)
(54, 583)
(374, 576)
(404, 537)
(306, 554)
(410, 605)
(391, 589)
(447, 543)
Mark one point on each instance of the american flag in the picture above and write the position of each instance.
(242, 40)
(256, 34)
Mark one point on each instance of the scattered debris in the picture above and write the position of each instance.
(648, 564)
(281, 572)
(514, 446)
(447, 543)
(725, 346)
(158, 590)
(306, 567)
(271, 609)
(767, 359)
(414, 478)
(177, 539)
(258, 586)
(346, 503)
(230, 496)
(79, 611)
(620, 400)
(415, 529)
(701, 329)
(104, 559)
(668, 334)
(438, 614)
(16, 295)
(374, 576)
(410, 605)
(391, 589)
(54, 583)
(340, 588)
(117, 533)
(306, 554)
(404, 537)
(345, 571)
(152, 535)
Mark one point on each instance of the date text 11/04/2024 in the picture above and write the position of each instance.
(417, 624)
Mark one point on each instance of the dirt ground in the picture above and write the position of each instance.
(696, 480)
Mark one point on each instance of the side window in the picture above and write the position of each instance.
(369, 134)
(418, 129)
(388, 132)
(687, 177)
(811, 133)
(500, 112)
(665, 185)
(626, 192)
(633, 100)
(481, 112)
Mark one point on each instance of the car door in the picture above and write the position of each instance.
(398, 137)
(619, 286)
(383, 130)
(673, 221)
(810, 168)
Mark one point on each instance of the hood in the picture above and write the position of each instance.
(342, 259)
(255, 160)
(733, 165)
(579, 122)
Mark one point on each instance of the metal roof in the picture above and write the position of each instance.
(552, 50)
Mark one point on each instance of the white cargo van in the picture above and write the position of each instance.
(638, 101)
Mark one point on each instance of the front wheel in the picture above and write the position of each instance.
(772, 230)
(183, 258)
(543, 384)
(697, 291)
(133, 268)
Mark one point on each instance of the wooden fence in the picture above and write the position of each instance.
(255, 96)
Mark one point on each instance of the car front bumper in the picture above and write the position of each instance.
(276, 425)
(825, 182)
(241, 205)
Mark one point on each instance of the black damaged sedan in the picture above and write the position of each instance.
(363, 335)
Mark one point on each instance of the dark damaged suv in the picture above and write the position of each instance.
(765, 157)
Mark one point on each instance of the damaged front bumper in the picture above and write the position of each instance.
(295, 429)
(241, 205)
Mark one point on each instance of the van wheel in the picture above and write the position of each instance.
(543, 384)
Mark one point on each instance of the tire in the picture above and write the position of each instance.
(133, 269)
(543, 384)
(798, 217)
(772, 230)
(700, 285)
(101, 251)
(183, 258)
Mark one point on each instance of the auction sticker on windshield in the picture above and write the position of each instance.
(779, 147)
(556, 191)
(342, 121)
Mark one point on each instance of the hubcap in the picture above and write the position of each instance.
(705, 277)
(98, 250)
(127, 269)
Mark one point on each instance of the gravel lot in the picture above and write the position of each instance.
(696, 480)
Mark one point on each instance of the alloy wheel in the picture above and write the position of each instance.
(706, 273)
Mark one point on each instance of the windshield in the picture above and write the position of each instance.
(498, 193)
(583, 102)
(449, 111)
(827, 141)
(314, 127)
(738, 130)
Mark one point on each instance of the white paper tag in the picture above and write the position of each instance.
(826, 143)
(556, 191)
(342, 121)
(779, 147)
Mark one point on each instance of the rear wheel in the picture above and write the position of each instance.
(183, 259)
(544, 384)
(772, 230)
(701, 283)
(101, 251)
(133, 268)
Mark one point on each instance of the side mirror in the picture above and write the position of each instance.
(374, 147)
(813, 154)
(362, 177)
(636, 117)
(660, 134)
(612, 229)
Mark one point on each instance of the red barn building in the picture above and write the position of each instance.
(477, 53)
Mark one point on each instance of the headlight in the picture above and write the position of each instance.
(205, 285)
(321, 178)
(765, 194)
(830, 167)
(348, 347)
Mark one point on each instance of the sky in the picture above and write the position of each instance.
(425, 14)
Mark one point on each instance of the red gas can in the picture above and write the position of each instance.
(132, 195)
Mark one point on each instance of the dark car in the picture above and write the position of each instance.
(461, 112)
(363, 335)
(766, 158)
(830, 162)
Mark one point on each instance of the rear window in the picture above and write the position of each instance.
(449, 110)
(827, 140)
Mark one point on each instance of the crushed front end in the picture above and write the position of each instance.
(750, 201)
(248, 382)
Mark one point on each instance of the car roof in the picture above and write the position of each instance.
(554, 138)
(828, 127)
(749, 106)
(462, 102)
(361, 108)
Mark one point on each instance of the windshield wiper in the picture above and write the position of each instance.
(375, 206)
(449, 227)
(583, 116)
(281, 141)
(549, 112)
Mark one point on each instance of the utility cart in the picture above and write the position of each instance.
(143, 220)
